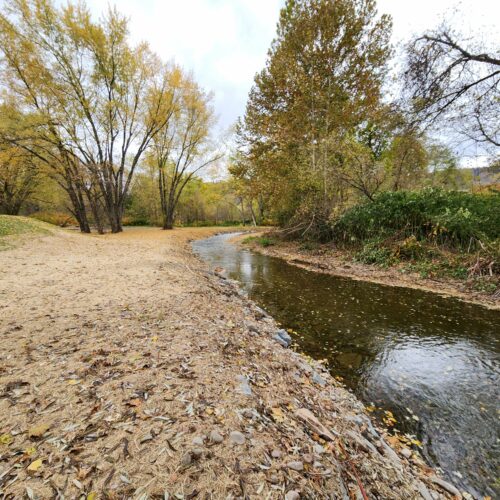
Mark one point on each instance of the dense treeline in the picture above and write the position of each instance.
(88, 109)
(321, 135)
(97, 132)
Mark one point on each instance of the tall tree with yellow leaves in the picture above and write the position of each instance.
(98, 101)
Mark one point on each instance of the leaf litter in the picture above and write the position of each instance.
(122, 382)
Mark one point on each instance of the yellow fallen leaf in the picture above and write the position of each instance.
(34, 466)
(38, 430)
(92, 495)
(155, 338)
(278, 414)
(73, 382)
(6, 439)
(209, 411)
(30, 451)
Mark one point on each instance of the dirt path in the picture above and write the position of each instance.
(129, 371)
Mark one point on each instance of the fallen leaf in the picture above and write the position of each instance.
(92, 495)
(6, 439)
(34, 466)
(278, 414)
(38, 430)
(135, 402)
(73, 381)
(30, 451)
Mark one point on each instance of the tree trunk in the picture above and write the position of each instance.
(254, 220)
(79, 210)
(168, 216)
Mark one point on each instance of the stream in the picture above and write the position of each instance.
(432, 361)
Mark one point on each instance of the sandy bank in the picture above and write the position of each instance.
(127, 370)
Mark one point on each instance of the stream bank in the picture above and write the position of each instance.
(426, 365)
(325, 259)
(130, 370)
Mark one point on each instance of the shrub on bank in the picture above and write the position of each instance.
(449, 218)
(60, 219)
(433, 232)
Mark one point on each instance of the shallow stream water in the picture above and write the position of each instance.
(432, 361)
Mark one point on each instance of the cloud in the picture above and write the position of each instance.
(225, 42)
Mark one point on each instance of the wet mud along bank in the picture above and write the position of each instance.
(129, 370)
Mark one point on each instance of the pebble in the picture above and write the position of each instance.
(197, 452)
(276, 454)
(253, 328)
(283, 334)
(248, 413)
(445, 485)
(236, 437)
(186, 459)
(280, 341)
(308, 458)
(260, 313)
(305, 367)
(405, 452)
(292, 495)
(274, 479)
(318, 379)
(296, 465)
(318, 449)
(243, 387)
(198, 441)
(215, 437)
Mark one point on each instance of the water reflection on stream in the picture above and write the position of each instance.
(433, 361)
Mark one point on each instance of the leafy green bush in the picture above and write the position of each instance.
(452, 218)
(266, 242)
(374, 253)
(136, 220)
(263, 241)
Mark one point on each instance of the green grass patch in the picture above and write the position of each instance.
(11, 225)
(262, 241)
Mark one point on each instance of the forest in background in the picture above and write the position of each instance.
(99, 133)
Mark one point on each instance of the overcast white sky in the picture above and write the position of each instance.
(224, 42)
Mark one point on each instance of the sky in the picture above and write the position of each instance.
(225, 42)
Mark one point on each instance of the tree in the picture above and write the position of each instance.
(444, 171)
(324, 74)
(98, 102)
(19, 172)
(359, 168)
(183, 147)
(406, 160)
(456, 81)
